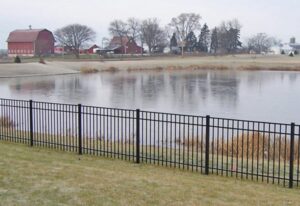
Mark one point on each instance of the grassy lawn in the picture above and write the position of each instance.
(34, 176)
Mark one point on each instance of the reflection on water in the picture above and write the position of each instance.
(259, 95)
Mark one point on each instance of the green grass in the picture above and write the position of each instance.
(34, 176)
(162, 155)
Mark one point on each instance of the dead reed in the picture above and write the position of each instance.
(111, 69)
(191, 142)
(259, 145)
(248, 145)
(6, 122)
(270, 68)
(130, 69)
(178, 68)
(88, 70)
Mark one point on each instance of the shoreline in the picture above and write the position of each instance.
(226, 63)
(37, 75)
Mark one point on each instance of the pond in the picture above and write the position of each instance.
(252, 95)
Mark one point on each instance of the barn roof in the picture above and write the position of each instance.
(26, 35)
(116, 41)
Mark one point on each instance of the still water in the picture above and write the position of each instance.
(251, 95)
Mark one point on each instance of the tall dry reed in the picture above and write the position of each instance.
(249, 145)
(6, 122)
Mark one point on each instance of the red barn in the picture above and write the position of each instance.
(123, 45)
(92, 49)
(30, 42)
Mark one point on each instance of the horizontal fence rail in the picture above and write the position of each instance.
(255, 150)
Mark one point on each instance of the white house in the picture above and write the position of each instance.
(275, 50)
(286, 48)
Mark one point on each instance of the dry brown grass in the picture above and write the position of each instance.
(88, 70)
(271, 68)
(191, 142)
(260, 145)
(247, 145)
(42, 61)
(178, 68)
(6, 122)
(130, 69)
(207, 67)
(111, 69)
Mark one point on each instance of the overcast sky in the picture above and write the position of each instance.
(278, 18)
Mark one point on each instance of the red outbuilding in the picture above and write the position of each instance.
(30, 42)
(91, 49)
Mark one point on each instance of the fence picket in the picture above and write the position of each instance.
(255, 150)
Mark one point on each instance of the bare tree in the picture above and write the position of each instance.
(134, 31)
(74, 36)
(153, 35)
(133, 28)
(261, 42)
(184, 24)
(169, 35)
(118, 28)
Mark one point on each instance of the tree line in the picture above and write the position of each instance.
(184, 33)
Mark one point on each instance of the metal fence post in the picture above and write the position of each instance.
(292, 149)
(79, 130)
(207, 142)
(31, 121)
(138, 136)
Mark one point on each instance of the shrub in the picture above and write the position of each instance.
(246, 145)
(42, 61)
(282, 52)
(296, 52)
(291, 54)
(88, 70)
(6, 122)
(111, 69)
(17, 59)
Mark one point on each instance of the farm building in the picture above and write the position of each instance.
(287, 48)
(30, 42)
(92, 49)
(123, 45)
(58, 49)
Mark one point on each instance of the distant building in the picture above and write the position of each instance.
(286, 48)
(91, 49)
(59, 49)
(291, 47)
(123, 45)
(275, 50)
(30, 42)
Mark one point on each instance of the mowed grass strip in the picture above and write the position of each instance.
(35, 176)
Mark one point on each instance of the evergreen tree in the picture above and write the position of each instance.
(214, 44)
(204, 39)
(17, 60)
(234, 40)
(173, 42)
(191, 42)
(229, 36)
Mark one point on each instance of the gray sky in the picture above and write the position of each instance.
(275, 17)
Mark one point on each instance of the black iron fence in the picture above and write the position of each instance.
(261, 151)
